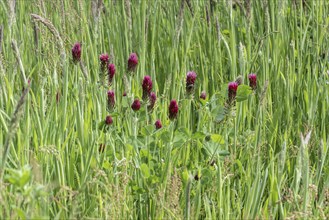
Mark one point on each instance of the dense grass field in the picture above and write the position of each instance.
(78, 142)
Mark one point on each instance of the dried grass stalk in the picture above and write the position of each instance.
(1, 37)
(54, 31)
(12, 14)
(83, 69)
(180, 19)
(96, 8)
(36, 35)
(18, 59)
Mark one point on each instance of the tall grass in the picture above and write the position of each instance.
(264, 157)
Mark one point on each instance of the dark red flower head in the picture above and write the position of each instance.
(158, 124)
(203, 95)
(173, 109)
(147, 84)
(104, 59)
(132, 62)
(124, 93)
(110, 100)
(111, 72)
(136, 105)
(108, 120)
(76, 52)
(58, 96)
(152, 100)
(147, 87)
(232, 88)
(252, 80)
(190, 80)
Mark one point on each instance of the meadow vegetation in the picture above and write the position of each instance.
(189, 109)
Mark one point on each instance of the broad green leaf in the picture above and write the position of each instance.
(165, 136)
(243, 92)
(145, 170)
(147, 130)
(223, 153)
(198, 135)
(216, 138)
(206, 176)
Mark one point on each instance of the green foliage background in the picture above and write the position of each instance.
(266, 157)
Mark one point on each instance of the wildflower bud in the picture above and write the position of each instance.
(101, 148)
(111, 72)
(76, 52)
(104, 59)
(124, 93)
(203, 95)
(232, 88)
(173, 109)
(158, 124)
(132, 62)
(110, 100)
(147, 87)
(197, 177)
(152, 100)
(136, 105)
(252, 81)
(58, 96)
(108, 120)
(190, 80)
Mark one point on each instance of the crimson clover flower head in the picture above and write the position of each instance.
(232, 88)
(190, 80)
(104, 59)
(203, 95)
(111, 72)
(152, 100)
(252, 80)
(136, 105)
(147, 87)
(132, 62)
(158, 124)
(108, 120)
(76, 52)
(173, 109)
(110, 100)
(147, 84)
